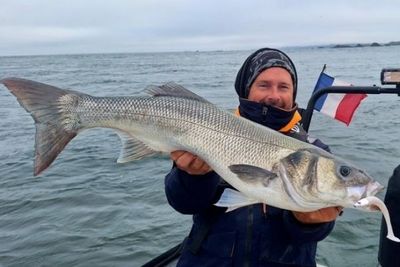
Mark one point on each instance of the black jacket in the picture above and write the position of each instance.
(246, 236)
(243, 237)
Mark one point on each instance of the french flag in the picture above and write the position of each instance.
(338, 106)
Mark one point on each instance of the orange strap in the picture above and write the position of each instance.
(237, 113)
(296, 118)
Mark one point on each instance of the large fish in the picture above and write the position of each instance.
(264, 165)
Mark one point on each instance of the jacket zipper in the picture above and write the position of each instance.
(264, 114)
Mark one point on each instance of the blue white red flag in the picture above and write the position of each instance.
(338, 106)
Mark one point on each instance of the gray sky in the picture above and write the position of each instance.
(79, 26)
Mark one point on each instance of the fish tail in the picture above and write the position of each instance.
(49, 107)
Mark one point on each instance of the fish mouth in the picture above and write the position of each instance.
(359, 192)
(372, 189)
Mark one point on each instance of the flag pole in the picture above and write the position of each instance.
(319, 77)
(323, 68)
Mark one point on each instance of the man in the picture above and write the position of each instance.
(256, 235)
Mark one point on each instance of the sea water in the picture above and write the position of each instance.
(87, 210)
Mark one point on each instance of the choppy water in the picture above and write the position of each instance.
(88, 211)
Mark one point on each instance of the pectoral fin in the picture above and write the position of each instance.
(233, 199)
(253, 174)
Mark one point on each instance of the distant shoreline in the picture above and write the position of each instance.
(316, 46)
(374, 44)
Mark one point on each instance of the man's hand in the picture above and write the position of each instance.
(318, 216)
(190, 163)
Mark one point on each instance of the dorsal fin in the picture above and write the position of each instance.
(173, 89)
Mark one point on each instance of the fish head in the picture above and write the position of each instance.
(313, 177)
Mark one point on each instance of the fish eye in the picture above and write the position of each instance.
(345, 171)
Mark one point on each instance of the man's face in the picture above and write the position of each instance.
(273, 86)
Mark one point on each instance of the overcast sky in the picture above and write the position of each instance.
(78, 26)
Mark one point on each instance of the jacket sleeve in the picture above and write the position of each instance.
(306, 232)
(190, 194)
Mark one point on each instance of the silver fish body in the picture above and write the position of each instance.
(264, 165)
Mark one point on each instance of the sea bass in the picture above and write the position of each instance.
(264, 165)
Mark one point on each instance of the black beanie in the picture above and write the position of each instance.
(259, 61)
